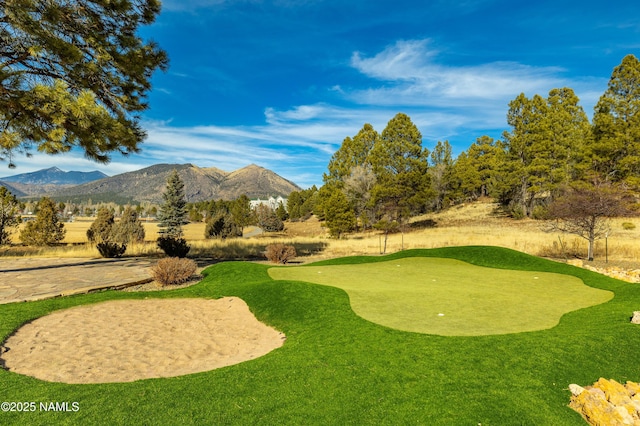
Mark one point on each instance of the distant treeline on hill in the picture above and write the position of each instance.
(106, 198)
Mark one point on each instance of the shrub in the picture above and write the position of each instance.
(628, 226)
(268, 219)
(280, 253)
(111, 250)
(100, 229)
(173, 247)
(47, 229)
(222, 226)
(173, 270)
(540, 213)
(129, 229)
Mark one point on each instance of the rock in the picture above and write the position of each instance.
(636, 317)
(576, 389)
(613, 391)
(633, 388)
(607, 402)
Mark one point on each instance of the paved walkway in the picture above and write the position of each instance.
(27, 279)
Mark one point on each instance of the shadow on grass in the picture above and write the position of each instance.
(423, 224)
(243, 250)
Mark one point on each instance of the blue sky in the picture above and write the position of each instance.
(281, 83)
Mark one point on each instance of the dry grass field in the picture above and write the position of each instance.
(479, 223)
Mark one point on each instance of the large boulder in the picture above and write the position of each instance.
(636, 318)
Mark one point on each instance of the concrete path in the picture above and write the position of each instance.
(26, 279)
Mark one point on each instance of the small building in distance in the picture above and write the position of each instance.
(273, 203)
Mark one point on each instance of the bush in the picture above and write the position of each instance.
(47, 229)
(280, 253)
(174, 247)
(540, 213)
(173, 270)
(268, 219)
(628, 226)
(110, 250)
(222, 226)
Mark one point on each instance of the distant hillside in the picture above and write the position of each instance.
(48, 181)
(55, 176)
(200, 184)
(255, 182)
(11, 188)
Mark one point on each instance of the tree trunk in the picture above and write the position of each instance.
(590, 252)
(386, 234)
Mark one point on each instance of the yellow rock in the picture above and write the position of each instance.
(632, 388)
(608, 403)
(615, 392)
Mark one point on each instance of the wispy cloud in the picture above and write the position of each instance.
(412, 76)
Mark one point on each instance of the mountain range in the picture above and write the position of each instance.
(148, 184)
(46, 181)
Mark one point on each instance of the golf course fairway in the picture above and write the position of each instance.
(449, 297)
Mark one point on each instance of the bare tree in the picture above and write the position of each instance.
(357, 188)
(586, 211)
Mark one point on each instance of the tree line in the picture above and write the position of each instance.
(381, 179)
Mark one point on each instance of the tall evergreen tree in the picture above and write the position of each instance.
(9, 217)
(476, 171)
(400, 165)
(240, 210)
(74, 73)
(615, 151)
(544, 146)
(523, 143)
(173, 212)
(568, 132)
(352, 153)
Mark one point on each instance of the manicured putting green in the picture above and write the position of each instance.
(451, 298)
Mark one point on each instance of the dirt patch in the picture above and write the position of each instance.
(128, 340)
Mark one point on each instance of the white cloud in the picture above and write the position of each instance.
(412, 76)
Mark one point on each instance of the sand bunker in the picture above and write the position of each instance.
(128, 340)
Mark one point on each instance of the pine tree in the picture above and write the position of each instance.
(74, 73)
(100, 229)
(129, 229)
(9, 217)
(46, 229)
(400, 165)
(352, 153)
(544, 146)
(476, 171)
(339, 215)
(173, 213)
(615, 151)
(104, 233)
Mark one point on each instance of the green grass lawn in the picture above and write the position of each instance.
(338, 368)
(452, 298)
